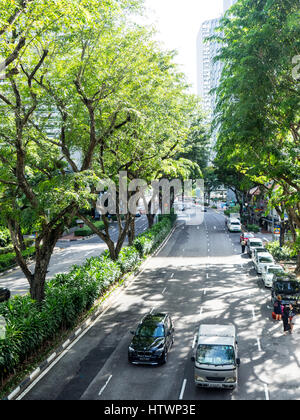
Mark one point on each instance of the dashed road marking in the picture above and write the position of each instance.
(182, 389)
(103, 388)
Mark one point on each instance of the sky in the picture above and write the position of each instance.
(178, 23)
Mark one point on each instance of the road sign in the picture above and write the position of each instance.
(277, 231)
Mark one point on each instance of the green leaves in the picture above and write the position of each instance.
(257, 114)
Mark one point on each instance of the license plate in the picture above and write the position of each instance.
(215, 386)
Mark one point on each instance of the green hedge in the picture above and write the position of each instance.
(10, 248)
(9, 260)
(86, 231)
(4, 237)
(285, 253)
(253, 228)
(67, 297)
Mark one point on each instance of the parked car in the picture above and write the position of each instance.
(262, 260)
(268, 273)
(4, 294)
(245, 236)
(254, 243)
(152, 340)
(258, 251)
(288, 287)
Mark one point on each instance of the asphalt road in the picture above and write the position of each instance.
(198, 277)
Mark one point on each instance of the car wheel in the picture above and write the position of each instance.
(165, 357)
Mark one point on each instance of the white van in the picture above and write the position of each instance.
(216, 357)
(234, 225)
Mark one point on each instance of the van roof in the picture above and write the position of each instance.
(217, 330)
(217, 334)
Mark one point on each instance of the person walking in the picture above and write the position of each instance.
(286, 320)
(243, 245)
(277, 308)
(292, 314)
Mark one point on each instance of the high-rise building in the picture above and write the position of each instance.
(209, 71)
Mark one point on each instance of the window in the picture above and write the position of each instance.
(216, 355)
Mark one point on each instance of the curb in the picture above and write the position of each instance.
(119, 287)
(78, 239)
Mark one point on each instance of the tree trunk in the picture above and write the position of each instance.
(297, 271)
(131, 232)
(150, 218)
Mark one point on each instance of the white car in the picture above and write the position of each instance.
(254, 243)
(262, 261)
(234, 225)
(257, 251)
(268, 274)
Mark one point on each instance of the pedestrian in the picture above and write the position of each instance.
(277, 308)
(243, 244)
(286, 321)
(292, 314)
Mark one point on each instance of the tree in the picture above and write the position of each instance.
(35, 176)
(257, 111)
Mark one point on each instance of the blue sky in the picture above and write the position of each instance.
(178, 23)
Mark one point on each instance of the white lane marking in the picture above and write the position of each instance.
(266, 392)
(258, 344)
(201, 310)
(103, 388)
(172, 275)
(152, 310)
(163, 291)
(215, 227)
(207, 275)
(204, 292)
(182, 389)
(253, 313)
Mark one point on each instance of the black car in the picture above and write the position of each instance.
(152, 340)
(288, 287)
(4, 294)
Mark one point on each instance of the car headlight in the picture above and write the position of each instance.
(199, 378)
(231, 380)
(131, 349)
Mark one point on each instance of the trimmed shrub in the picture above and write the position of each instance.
(9, 260)
(253, 228)
(86, 231)
(284, 253)
(4, 237)
(129, 258)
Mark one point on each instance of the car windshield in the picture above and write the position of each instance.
(258, 250)
(255, 244)
(274, 270)
(208, 354)
(287, 287)
(151, 330)
(266, 260)
(235, 223)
